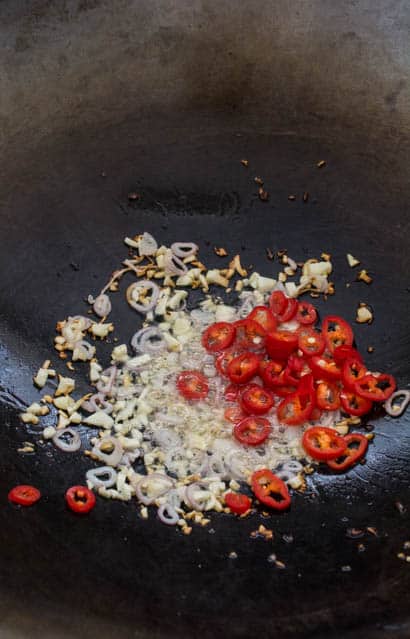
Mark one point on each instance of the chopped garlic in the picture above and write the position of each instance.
(261, 283)
(364, 315)
(95, 370)
(42, 376)
(175, 301)
(225, 313)
(214, 276)
(49, 432)
(65, 387)
(119, 353)
(352, 261)
(100, 419)
(101, 330)
(29, 418)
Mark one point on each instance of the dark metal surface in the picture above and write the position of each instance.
(166, 98)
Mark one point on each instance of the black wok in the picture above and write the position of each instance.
(165, 98)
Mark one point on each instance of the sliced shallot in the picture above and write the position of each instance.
(111, 458)
(173, 265)
(184, 249)
(148, 340)
(147, 245)
(397, 403)
(74, 440)
(102, 476)
(168, 515)
(102, 305)
(134, 292)
(150, 487)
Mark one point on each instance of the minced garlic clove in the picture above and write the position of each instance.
(351, 260)
(364, 314)
(363, 276)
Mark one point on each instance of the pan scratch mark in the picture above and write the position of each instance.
(356, 474)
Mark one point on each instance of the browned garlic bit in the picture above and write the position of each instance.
(363, 276)
(364, 314)
(352, 261)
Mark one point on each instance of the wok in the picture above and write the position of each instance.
(165, 98)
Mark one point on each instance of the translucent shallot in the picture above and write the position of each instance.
(102, 305)
(397, 403)
(67, 440)
(134, 294)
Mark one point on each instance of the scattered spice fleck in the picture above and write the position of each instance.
(233, 555)
(372, 531)
(133, 196)
(270, 254)
(406, 545)
(288, 538)
(363, 276)
(402, 509)
(346, 568)
(321, 164)
(263, 195)
(370, 349)
(305, 197)
(361, 548)
(292, 198)
(258, 180)
(354, 533)
(220, 251)
(245, 162)
(401, 555)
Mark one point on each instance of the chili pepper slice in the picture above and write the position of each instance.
(80, 499)
(249, 335)
(234, 414)
(336, 332)
(353, 404)
(325, 367)
(343, 352)
(264, 316)
(306, 313)
(310, 341)
(289, 311)
(295, 369)
(277, 302)
(270, 490)
(280, 344)
(323, 443)
(231, 392)
(270, 372)
(297, 407)
(243, 367)
(223, 360)
(328, 395)
(377, 388)
(352, 371)
(256, 400)
(24, 495)
(284, 390)
(356, 447)
(252, 431)
(218, 336)
(238, 503)
(192, 385)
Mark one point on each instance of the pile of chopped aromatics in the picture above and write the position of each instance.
(204, 404)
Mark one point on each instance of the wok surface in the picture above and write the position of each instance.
(64, 214)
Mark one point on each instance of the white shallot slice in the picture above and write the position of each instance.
(148, 340)
(102, 476)
(173, 265)
(147, 245)
(397, 403)
(105, 387)
(97, 402)
(168, 515)
(74, 440)
(184, 249)
(83, 351)
(109, 450)
(150, 487)
(134, 292)
(102, 305)
(197, 496)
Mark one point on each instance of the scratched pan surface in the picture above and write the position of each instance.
(85, 125)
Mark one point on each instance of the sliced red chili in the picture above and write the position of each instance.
(323, 443)
(231, 392)
(252, 431)
(284, 390)
(295, 369)
(297, 407)
(24, 495)
(289, 311)
(353, 404)
(264, 316)
(234, 414)
(343, 352)
(249, 335)
(270, 372)
(223, 360)
(376, 388)
(238, 503)
(256, 400)
(243, 367)
(192, 385)
(277, 302)
(310, 341)
(356, 447)
(306, 313)
(352, 371)
(336, 332)
(280, 344)
(218, 336)
(325, 367)
(270, 490)
(328, 395)
(80, 499)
